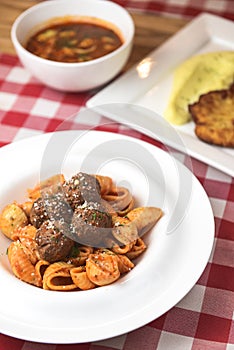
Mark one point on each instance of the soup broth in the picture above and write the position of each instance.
(74, 41)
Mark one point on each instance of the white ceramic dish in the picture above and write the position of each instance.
(178, 247)
(205, 33)
(73, 76)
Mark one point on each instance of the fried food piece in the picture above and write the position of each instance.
(213, 115)
(11, 218)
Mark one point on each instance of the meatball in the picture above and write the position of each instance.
(91, 224)
(50, 207)
(38, 213)
(81, 188)
(53, 243)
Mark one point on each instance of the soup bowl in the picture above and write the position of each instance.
(77, 76)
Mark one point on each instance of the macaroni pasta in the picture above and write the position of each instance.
(75, 234)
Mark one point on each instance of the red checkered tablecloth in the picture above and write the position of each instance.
(182, 8)
(204, 318)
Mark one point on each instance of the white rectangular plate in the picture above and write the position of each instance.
(120, 99)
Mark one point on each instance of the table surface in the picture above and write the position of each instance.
(204, 318)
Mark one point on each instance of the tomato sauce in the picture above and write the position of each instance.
(73, 42)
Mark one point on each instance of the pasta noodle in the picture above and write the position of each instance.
(49, 185)
(137, 249)
(123, 249)
(124, 230)
(82, 256)
(21, 265)
(40, 267)
(126, 210)
(144, 218)
(124, 264)
(26, 236)
(120, 198)
(106, 184)
(26, 206)
(57, 277)
(102, 268)
(80, 278)
(75, 234)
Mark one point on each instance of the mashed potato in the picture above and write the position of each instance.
(196, 76)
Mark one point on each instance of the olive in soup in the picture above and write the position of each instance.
(74, 41)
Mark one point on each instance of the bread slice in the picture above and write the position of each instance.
(213, 115)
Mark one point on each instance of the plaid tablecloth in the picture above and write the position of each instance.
(182, 8)
(204, 319)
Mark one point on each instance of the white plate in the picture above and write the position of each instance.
(205, 33)
(178, 247)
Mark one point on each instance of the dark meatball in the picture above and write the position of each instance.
(81, 188)
(52, 240)
(50, 207)
(38, 213)
(91, 224)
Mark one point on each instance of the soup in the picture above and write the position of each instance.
(74, 41)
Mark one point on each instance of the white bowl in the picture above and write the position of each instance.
(79, 76)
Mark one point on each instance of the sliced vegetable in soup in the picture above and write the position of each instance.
(74, 41)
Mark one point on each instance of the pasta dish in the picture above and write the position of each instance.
(75, 234)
